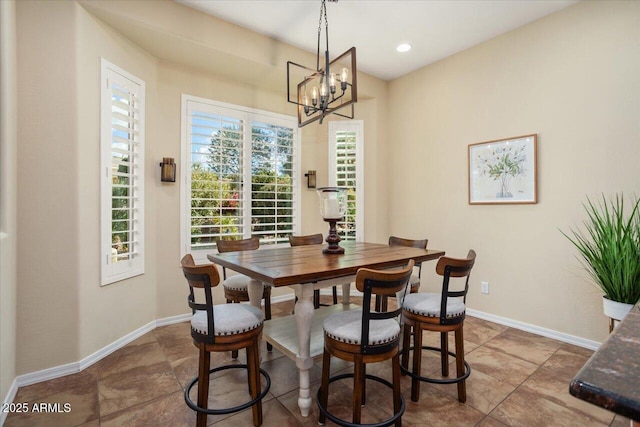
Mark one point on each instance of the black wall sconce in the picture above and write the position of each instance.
(311, 179)
(168, 170)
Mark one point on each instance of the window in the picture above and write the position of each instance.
(122, 169)
(346, 170)
(225, 147)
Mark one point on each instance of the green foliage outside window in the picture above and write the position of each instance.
(216, 187)
(120, 208)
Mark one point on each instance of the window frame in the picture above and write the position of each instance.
(249, 116)
(111, 272)
(356, 126)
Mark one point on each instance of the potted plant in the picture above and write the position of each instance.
(609, 250)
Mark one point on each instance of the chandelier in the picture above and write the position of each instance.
(329, 87)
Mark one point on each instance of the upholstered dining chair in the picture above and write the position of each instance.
(236, 287)
(313, 239)
(219, 328)
(364, 336)
(444, 313)
(381, 302)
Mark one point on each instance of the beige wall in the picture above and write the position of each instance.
(8, 187)
(572, 78)
(48, 198)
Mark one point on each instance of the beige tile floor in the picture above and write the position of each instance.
(517, 379)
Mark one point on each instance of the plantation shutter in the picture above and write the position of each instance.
(346, 169)
(272, 174)
(122, 159)
(216, 177)
(346, 177)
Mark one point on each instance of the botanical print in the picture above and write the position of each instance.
(502, 163)
(503, 171)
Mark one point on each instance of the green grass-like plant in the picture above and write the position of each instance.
(609, 247)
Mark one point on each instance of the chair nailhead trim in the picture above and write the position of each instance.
(421, 313)
(357, 342)
(229, 333)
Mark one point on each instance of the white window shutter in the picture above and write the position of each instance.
(346, 170)
(122, 181)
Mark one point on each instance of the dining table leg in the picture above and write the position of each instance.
(346, 290)
(255, 291)
(304, 361)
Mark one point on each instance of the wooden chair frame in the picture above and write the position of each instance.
(206, 277)
(414, 324)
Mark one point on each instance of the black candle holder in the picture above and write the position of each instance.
(333, 239)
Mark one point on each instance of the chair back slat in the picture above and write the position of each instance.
(237, 245)
(199, 275)
(459, 267)
(399, 241)
(311, 239)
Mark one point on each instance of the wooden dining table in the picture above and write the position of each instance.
(306, 268)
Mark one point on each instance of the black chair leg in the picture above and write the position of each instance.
(335, 295)
(267, 312)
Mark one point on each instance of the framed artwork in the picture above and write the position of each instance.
(503, 171)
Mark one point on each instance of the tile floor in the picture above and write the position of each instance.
(517, 379)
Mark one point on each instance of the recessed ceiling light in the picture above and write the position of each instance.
(403, 47)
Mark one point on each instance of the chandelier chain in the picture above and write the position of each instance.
(323, 14)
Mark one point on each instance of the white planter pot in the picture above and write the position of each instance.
(615, 310)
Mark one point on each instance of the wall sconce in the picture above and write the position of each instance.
(311, 179)
(168, 170)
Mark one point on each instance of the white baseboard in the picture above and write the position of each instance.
(11, 394)
(173, 319)
(549, 333)
(75, 367)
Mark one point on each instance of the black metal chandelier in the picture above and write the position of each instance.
(331, 86)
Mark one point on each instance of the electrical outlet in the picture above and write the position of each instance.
(484, 287)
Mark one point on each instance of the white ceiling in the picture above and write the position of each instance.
(435, 28)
